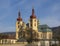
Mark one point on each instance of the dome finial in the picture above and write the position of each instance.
(32, 10)
(19, 16)
(33, 15)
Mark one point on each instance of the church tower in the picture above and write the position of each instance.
(33, 21)
(19, 23)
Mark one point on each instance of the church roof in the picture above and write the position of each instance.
(44, 28)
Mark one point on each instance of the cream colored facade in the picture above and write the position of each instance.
(49, 35)
(33, 24)
(8, 41)
(18, 26)
(45, 35)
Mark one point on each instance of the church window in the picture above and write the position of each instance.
(18, 22)
(31, 20)
(31, 25)
(49, 36)
(35, 24)
(44, 36)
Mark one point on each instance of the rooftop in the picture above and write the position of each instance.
(44, 28)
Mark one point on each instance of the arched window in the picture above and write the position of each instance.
(35, 24)
(31, 25)
(50, 36)
(41, 35)
(18, 22)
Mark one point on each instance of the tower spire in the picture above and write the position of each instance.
(32, 11)
(19, 16)
(33, 15)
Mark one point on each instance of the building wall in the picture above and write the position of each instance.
(5, 41)
(43, 43)
(18, 25)
(47, 43)
(33, 24)
(40, 35)
(49, 35)
(45, 35)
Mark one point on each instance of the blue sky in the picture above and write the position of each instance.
(47, 11)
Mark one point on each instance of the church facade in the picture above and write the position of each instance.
(41, 33)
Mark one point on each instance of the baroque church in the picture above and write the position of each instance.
(30, 32)
(33, 30)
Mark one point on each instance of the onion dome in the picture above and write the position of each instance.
(19, 17)
(32, 16)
